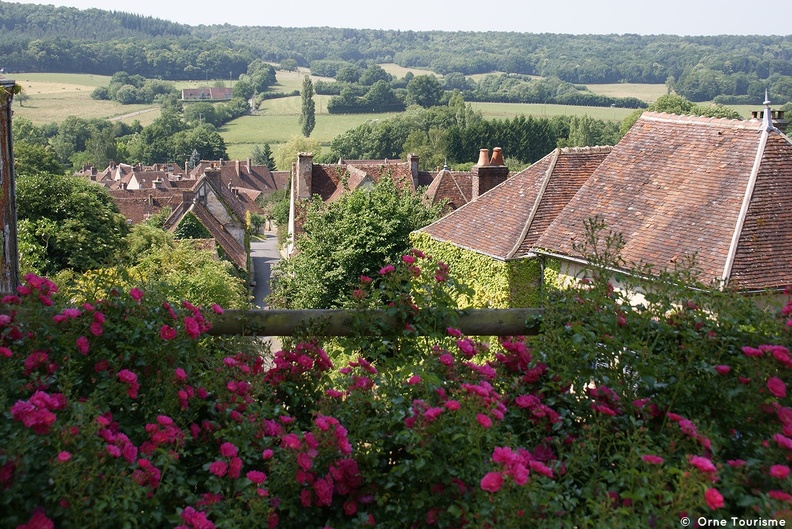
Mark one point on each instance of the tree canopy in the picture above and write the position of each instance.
(345, 239)
(66, 222)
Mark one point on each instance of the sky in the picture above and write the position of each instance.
(675, 17)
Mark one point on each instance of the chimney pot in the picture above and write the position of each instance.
(497, 156)
(483, 158)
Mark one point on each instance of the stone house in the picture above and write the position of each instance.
(675, 187)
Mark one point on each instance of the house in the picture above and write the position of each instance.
(206, 94)
(675, 187)
(222, 210)
(219, 193)
(330, 181)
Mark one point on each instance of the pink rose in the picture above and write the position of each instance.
(492, 482)
(779, 471)
(777, 387)
(714, 499)
(484, 420)
(652, 460)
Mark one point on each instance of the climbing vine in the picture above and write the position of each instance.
(497, 284)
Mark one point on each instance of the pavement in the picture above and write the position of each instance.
(263, 256)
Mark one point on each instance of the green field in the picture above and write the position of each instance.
(52, 97)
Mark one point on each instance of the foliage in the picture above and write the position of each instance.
(262, 156)
(191, 228)
(183, 271)
(424, 90)
(67, 222)
(130, 89)
(32, 158)
(493, 283)
(346, 238)
(308, 108)
(45, 38)
(617, 414)
(286, 154)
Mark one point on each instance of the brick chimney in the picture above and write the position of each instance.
(488, 173)
(303, 175)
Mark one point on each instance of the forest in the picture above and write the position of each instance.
(726, 68)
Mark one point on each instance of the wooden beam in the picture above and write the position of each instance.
(340, 322)
(9, 258)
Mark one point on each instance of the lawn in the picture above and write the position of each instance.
(644, 92)
(52, 97)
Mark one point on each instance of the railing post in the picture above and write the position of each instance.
(9, 260)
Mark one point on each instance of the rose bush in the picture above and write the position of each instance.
(122, 412)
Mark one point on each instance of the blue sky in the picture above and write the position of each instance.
(691, 17)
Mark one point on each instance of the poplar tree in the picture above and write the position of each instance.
(308, 115)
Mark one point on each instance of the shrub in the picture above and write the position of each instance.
(122, 412)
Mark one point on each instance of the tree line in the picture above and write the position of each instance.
(45, 38)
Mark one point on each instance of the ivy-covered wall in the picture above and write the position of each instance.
(496, 284)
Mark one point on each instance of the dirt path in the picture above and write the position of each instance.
(132, 114)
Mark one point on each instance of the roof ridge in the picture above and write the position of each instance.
(535, 207)
(669, 117)
(593, 149)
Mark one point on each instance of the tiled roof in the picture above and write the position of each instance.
(454, 186)
(498, 222)
(331, 180)
(139, 204)
(243, 174)
(674, 186)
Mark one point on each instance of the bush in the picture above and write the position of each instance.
(122, 413)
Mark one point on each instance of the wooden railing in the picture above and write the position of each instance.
(341, 322)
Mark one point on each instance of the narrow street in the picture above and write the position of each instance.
(263, 256)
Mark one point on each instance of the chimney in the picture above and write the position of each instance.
(303, 175)
(488, 175)
(236, 164)
(483, 158)
(413, 159)
(248, 165)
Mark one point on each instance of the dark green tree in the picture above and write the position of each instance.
(374, 73)
(424, 90)
(308, 113)
(344, 239)
(68, 222)
(32, 158)
(263, 156)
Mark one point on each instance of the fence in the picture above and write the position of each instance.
(340, 322)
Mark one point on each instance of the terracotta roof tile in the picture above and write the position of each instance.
(674, 187)
(498, 222)
(454, 186)
(139, 204)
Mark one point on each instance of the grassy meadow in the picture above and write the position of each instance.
(52, 97)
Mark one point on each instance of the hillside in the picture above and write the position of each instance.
(46, 38)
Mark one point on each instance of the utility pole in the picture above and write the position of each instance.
(9, 260)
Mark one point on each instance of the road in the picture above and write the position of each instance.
(263, 256)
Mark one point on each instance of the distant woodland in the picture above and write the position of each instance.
(726, 69)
